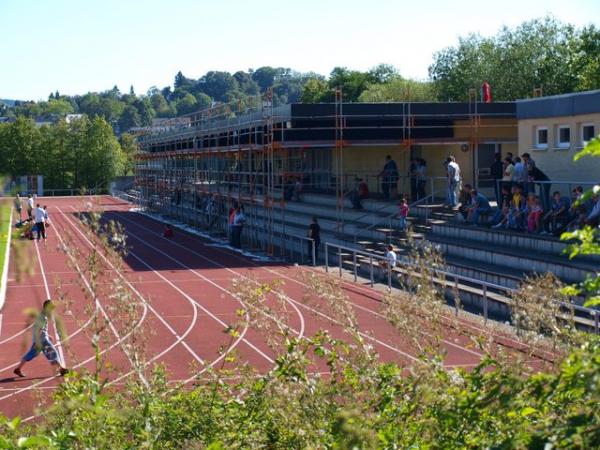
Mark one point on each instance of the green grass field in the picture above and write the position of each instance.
(4, 230)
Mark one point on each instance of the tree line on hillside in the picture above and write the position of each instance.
(542, 53)
(82, 153)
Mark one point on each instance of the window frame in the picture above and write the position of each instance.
(583, 126)
(538, 145)
(559, 143)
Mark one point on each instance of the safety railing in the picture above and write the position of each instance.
(302, 243)
(390, 219)
(448, 279)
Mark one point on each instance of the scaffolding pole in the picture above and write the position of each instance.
(339, 160)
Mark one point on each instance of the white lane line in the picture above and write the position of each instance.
(313, 310)
(216, 361)
(139, 295)
(288, 300)
(199, 305)
(59, 346)
(101, 308)
(368, 310)
(215, 317)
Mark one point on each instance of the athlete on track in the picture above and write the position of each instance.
(42, 342)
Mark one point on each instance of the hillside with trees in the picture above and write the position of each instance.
(540, 54)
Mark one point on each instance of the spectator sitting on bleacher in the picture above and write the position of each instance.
(534, 213)
(389, 263)
(480, 205)
(513, 217)
(464, 199)
(558, 217)
(579, 209)
(502, 209)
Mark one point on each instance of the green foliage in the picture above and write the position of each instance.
(360, 403)
(314, 91)
(542, 53)
(83, 153)
(376, 406)
(587, 240)
(591, 149)
(399, 90)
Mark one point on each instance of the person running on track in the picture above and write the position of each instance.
(41, 342)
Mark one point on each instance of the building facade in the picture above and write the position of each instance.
(328, 144)
(553, 129)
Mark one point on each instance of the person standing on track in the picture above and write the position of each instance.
(40, 222)
(30, 207)
(42, 342)
(19, 207)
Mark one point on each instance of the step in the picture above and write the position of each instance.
(506, 238)
(562, 267)
(497, 302)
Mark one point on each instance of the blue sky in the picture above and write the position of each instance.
(76, 46)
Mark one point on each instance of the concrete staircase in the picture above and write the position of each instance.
(499, 257)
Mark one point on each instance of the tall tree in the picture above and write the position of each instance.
(587, 59)
(264, 77)
(129, 119)
(536, 54)
(217, 84)
(351, 82)
(315, 90)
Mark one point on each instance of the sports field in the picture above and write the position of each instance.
(182, 291)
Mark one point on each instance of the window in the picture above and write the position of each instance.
(587, 133)
(541, 137)
(563, 136)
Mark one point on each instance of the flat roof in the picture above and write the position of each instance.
(573, 104)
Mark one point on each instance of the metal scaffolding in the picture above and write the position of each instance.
(252, 153)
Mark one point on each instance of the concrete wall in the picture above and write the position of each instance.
(556, 162)
(367, 162)
(488, 129)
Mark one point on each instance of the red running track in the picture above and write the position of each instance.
(181, 290)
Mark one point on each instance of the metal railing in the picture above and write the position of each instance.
(446, 279)
(303, 244)
(389, 219)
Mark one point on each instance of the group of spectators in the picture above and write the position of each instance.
(521, 171)
(520, 208)
(36, 220)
